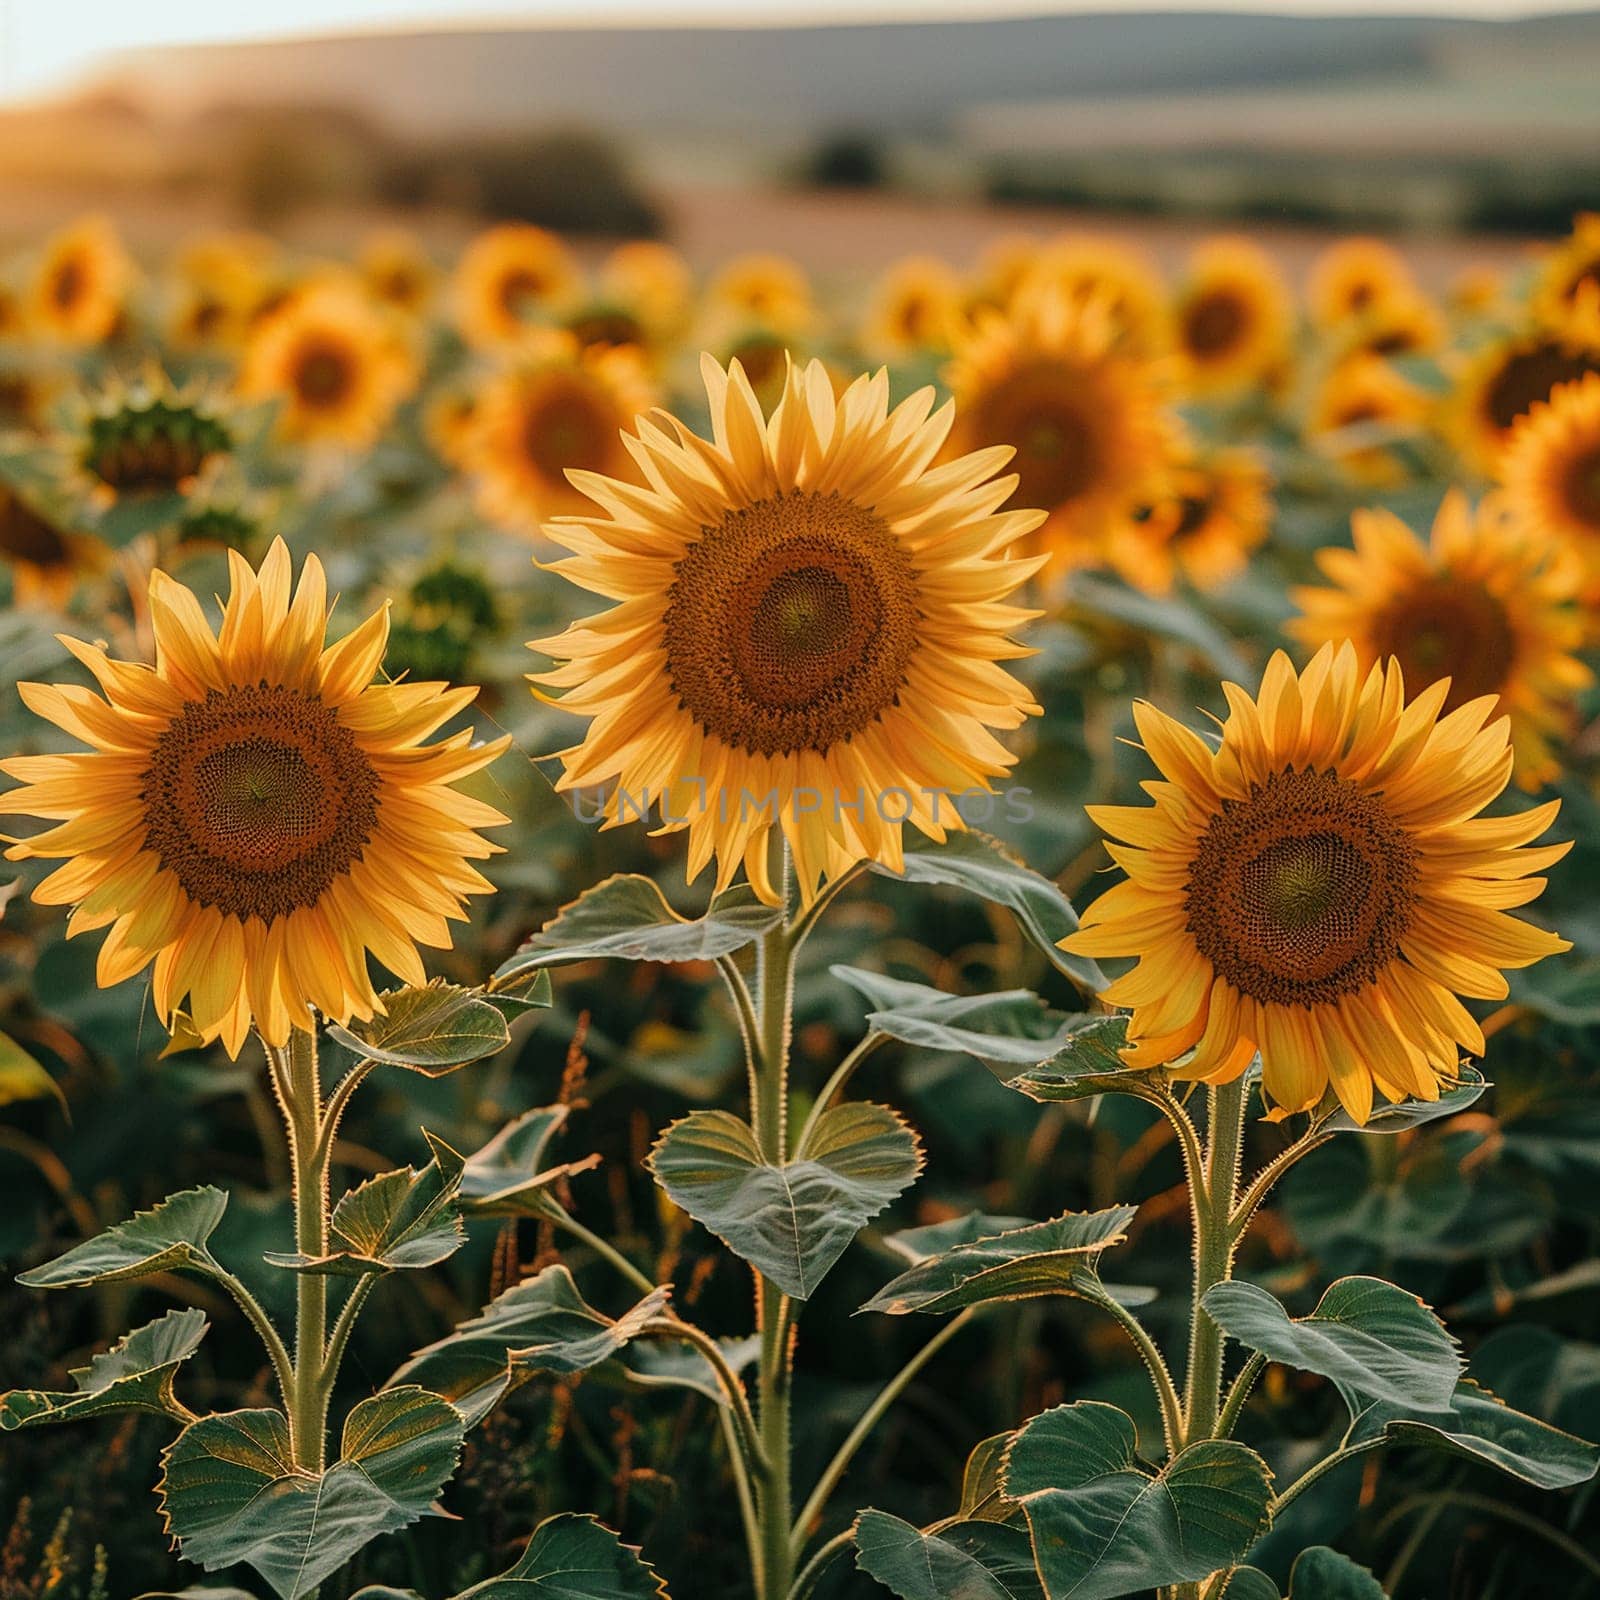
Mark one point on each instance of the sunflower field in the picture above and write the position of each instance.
(676, 933)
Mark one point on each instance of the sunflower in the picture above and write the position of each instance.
(397, 272)
(336, 361)
(1053, 380)
(770, 290)
(810, 623)
(1569, 284)
(916, 309)
(1218, 510)
(219, 280)
(46, 559)
(255, 814)
(1003, 268)
(1355, 278)
(1405, 323)
(1084, 269)
(653, 282)
(80, 287)
(1502, 383)
(558, 409)
(1232, 318)
(509, 278)
(1484, 605)
(1551, 471)
(1359, 409)
(147, 437)
(1320, 887)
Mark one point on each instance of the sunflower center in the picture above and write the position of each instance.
(1194, 511)
(26, 536)
(791, 625)
(606, 330)
(67, 284)
(257, 799)
(567, 427)
(520, 289)
(1449, 628)
(1301, 892)
(323, 375)
(1214, 323)
(1531, 375)
(1046, 413)
(1582, 487)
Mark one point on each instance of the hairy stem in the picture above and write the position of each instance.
(1212, 1200)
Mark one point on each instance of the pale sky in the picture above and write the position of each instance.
(48, 44)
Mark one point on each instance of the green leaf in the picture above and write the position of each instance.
(674, 1365)
(1059, 1257)
(135, 1374)
(170, 1235)
(1169, 616)
(573, 1558)
(523, 991)
(1087, 1063)
(21, 1077)
(507, 1177)
(1323, 1574)
(962, 1561)
(230, 1491)
(1407, 1114)
(627, 918)
(1371, 1338)
(540, 1325)
(984, 867)
(791, 1222)
(1007, 1032)
(1249, 1583)
(1480, 1425)
(431, 1030)
(1104, 1527)
(916, 1245)
(400, 1219)
(982, 1495)
(569, 1557)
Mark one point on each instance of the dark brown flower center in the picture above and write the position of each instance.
(1301, 892)
(1447, 627)
(324, 374)
(257, 798)
(519, 290)
(26, 536)
(1046, 412)
(1214, 323)
(1581, 488)
(605, 329)
(67, 283)
(790, 626)
(1530, 375)
(566, 424)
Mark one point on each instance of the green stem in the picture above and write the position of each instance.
(835, 1085)
(1212, 1200)
(1160, 1374)
(1326, 1465)
(1238, 1393)
(775, 1000)
(608, 1252)
(300, 1092)
(677, 1328)
(277, 1351)
(819, 1563)
(867, 1421)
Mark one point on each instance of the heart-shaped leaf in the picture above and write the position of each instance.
(1087, 1063)
(1480, 1425)
(984, 867)
(507, 1177)
(1249, 1583)
(230, 1491)
(432, 1030)
(627, 918)
(1059, 1257)
(1008, 1032)
(569, 1557)
(962, 1561)
(400, 1219)
(983, 1497)
(540, 1325)
(1406, 1114)
(1323, 1574)
(790, 1222)
(1371, 1338)
(135, 1374)
(170, 1235)
(1104, 1527)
